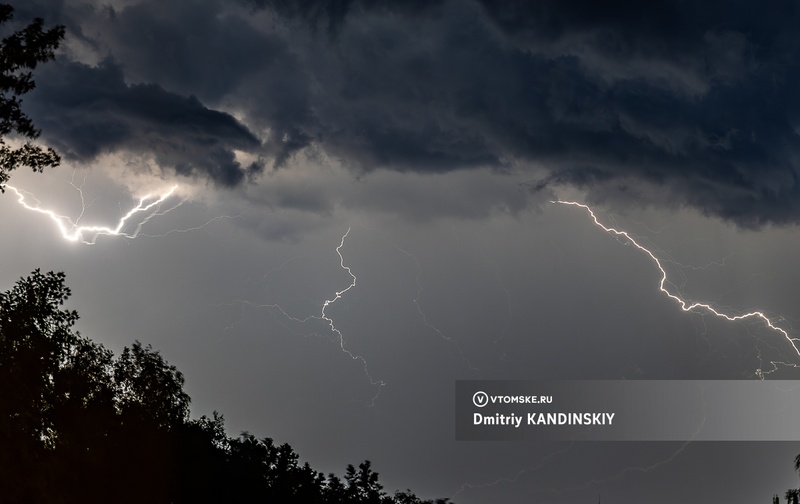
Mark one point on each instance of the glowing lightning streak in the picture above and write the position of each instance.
(685, 305)
(419, 295)
(514, 477)
(324, 316)
(424, 317)
(71, 231)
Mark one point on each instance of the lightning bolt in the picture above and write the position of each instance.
(424, 317)
(418, 296)
(646, 469)
(323, 316)
(513, 478)
(148, 206)
(685, 305)
(622, 473)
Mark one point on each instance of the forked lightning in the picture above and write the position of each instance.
(684, 304)
(147, 208)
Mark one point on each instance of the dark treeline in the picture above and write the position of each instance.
(80, 425)
(792, 495)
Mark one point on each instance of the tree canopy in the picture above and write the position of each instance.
(80, 425)
(20, 53)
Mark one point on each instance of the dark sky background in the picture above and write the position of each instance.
(437, 132)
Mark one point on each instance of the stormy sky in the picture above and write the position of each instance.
(437, 132)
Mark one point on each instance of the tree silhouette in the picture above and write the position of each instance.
(797, 463)
(20, 53)
(55, 392)
(79, 425)
(363, 486)
(148, 389)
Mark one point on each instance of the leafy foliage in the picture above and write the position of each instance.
(20, 53)
(148, 389)
(79, 425)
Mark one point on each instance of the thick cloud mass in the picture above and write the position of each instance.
(668, 102)
(87, 111)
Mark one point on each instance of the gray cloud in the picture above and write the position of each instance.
(681, 104)
(86, 111)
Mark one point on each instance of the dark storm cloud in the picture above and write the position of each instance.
(666, 102)
(333, 13)
(200, 49)
(679, 104)
(86, 111)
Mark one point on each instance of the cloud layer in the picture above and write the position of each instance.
(668, 103)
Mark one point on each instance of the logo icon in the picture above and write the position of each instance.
(480, 399)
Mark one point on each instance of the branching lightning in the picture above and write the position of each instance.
(685, 305)
(424, 317)
(148, 206)
(513, 478)
(418, 296)
(323, 316)
(340, 336)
